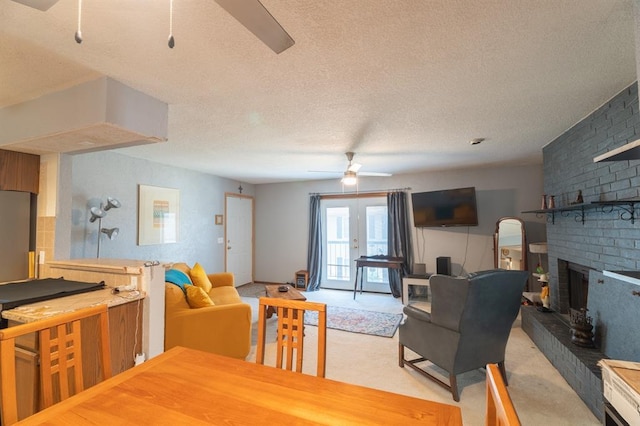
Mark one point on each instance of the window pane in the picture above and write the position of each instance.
(338, 244)
(377, 241)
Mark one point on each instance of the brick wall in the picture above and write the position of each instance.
(600, 239)
(605, 241)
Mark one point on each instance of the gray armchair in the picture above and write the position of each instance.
(468, 326)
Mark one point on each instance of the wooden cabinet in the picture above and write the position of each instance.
(19, 171)
(125, 340)
(301, 280)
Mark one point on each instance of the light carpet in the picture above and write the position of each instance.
(339, 318)
(251, 290)
(540, 394)
(357, 321)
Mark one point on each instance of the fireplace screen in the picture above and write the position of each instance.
(578, 286)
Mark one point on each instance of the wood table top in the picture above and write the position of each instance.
(290, 294)
(186, 386)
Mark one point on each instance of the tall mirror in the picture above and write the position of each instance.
(509, 244)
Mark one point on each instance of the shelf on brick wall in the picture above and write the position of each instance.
(627, 210)
(577, 209)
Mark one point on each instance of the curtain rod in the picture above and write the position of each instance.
(362, 192)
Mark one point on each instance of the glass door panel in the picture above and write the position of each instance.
(352, 228)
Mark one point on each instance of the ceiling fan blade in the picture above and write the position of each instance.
(38, 4)
(374, 174)
(257, 19)
(354, 167)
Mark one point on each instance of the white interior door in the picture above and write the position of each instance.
(239, 237)
(354, 227)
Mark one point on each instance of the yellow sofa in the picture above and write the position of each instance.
(224, 328)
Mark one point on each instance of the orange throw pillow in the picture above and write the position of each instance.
(199, 278)
(197, 298)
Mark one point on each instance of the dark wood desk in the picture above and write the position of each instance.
(374, 262)
(189, 387)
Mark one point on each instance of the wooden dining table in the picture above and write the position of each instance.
(189, 387)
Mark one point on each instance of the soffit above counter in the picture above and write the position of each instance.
(97, 115)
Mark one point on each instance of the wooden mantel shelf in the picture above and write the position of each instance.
(627, 208)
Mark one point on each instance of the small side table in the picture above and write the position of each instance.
(301, 280)
(422, 280)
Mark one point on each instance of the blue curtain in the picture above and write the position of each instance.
(399, 238)
(314, 253)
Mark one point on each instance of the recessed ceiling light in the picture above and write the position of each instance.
(476, 141)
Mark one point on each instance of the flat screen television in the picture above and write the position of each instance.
(449, 207)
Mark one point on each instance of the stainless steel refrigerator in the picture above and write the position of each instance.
(15, 235)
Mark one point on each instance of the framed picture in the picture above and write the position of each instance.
(219, 219)
(158, 215)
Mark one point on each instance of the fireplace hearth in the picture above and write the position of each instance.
(578, 365)
(581, 328)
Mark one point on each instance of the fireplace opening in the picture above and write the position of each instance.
(578, 286)
(573, 286)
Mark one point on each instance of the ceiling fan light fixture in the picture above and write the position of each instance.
(350, 178)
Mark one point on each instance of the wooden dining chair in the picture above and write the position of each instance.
(500, 409)
(290, 337)
(60, 355)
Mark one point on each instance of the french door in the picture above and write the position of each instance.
(354, 227)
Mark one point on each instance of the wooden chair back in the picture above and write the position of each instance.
(290, 337)
(500, 409)
(60, 354)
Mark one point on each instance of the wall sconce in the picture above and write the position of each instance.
(98, 213)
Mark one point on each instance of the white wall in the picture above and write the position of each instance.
(282, 212)
(90, 178)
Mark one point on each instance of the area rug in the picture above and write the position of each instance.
(358, 321)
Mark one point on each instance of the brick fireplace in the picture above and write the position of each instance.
(573, 286)
(584, 244)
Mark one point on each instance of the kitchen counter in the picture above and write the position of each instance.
(145, 275)
(39, 310)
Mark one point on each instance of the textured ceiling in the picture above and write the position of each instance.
(404, 84)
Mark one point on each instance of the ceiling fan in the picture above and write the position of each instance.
(350, 176)
(250, 13)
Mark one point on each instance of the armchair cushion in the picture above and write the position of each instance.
(419, 314)
(197, 298)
